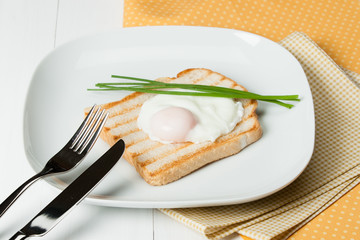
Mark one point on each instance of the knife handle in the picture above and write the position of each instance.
(18, 236)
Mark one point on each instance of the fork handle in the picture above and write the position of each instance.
(11, 199)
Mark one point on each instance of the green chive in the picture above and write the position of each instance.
(151, 86)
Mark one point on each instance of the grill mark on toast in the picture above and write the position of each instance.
(201, 79)
(151, 145)
(185, 157)
(116, 138)
(134, 143)
(251, 102)
(113, 113)
(217, 82)
(129, 132)
(124, 122)
(159, 144)
(244, 119)
(111, 106)
(125, 134)
(130, 144)
(125, 111)
(167, 153)
(124, 130)
(128, 121)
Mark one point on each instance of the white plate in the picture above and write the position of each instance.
(58, 94)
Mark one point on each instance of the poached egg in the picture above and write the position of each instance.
(177, 118)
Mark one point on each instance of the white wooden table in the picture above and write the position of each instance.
(30, 29)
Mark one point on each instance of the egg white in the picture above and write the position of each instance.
(215, 116)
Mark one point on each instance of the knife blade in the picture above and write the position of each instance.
(72, 195)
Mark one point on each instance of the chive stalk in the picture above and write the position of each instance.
(151, 86)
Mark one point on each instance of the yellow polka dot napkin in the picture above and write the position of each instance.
(340, 221)
(335, 165)
(333, 24)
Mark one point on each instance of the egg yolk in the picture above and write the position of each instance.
(172, 124)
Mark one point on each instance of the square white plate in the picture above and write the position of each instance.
(58, 95)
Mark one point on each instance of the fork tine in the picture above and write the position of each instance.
(80, 140)
(89, 143)
(82, 127)
(90, 131)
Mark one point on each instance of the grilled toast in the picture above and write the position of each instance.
(160, 163)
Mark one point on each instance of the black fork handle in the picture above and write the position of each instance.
(4, 206)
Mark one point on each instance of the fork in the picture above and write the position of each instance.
(69, 156)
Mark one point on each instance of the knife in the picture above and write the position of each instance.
(72, 195)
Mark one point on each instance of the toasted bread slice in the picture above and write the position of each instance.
(160, 163)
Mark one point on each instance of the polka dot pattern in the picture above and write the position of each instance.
(334, 25)
(340, 221)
